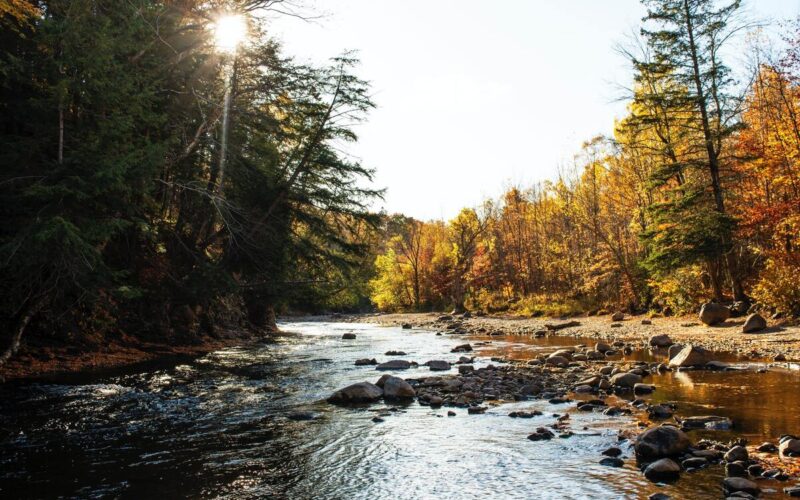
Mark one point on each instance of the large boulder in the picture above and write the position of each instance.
(789, 447)
(660, 442)
(626, 379)
(395, 364)
(557, 361)
(362, 392)
(712, 313)
(664, 469)
(660, 341)
(736, 454)
(690, 355)
(438, 365)
(754, 323)
(397, 388)
(564, 353)
(618, 316)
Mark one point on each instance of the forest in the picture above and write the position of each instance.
(694, 198)
(156, 182)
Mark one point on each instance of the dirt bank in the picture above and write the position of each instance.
(777, 339)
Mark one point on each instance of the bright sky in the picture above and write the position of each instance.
(474, 96)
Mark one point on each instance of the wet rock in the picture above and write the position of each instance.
(736, 484)
(438, 365)
(462, 348)
(476, 410)
(737, 453)
(406, 326)
(365, 362)
(594, 355)
(767, 448)
(451, 413)
(557, 361)
(362, 392)
(377, 420)
(465, 369)
(606, 370)
(302, 416)
(647, 322)
(658, 496)
(793, 491)
(591, 381)
(779, 357)
(789, 447)
(694, 463)
(395, 364)
(659, 442)
(712, 313)
(524, 414)
(754, 323)
(612, 462)
(755, 470)
(664, 469)
(673, 351)
(718, 365)
(395, 353)
(435, 401)
(612, 452)
(735, 469)
(541, 434)
(643, 389)
(563, 353)
(348, 336)
(660, 411)
(618, 316)
(397, 388)
(712, 422)
(708, 454)
(626, 380)
(602, 347)
(690, 356)
(660, 341)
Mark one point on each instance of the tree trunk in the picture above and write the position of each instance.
(23, 318)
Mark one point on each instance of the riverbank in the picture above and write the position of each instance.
(36, 362)
(778, 340)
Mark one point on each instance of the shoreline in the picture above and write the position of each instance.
(779, 339)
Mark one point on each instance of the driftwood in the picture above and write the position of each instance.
(561, 326)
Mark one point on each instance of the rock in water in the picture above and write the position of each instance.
(660, 341)
(736, 484)
(362, 392)
(557, 361)
(754, 323)
(789, 447)
(438, 365)
(626, 379)
(366, 361)
(643, 389)
(397, 388)
(395, 364)
(736, 454)
(462, 348)
(348, 336)
(712, 313)
(664, 469)
(690, 356)
(612, 462)
(660, 442)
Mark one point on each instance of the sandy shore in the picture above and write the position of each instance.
(777, 339)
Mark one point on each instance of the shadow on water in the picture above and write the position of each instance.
(251, 423)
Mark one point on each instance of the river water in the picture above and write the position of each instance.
(251, 422)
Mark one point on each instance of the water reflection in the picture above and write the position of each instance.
(249, 423)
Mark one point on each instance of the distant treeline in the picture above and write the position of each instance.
(695, 197)
(120, 213)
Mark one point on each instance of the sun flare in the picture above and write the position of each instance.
(229, 31)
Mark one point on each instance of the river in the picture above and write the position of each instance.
(251, 422)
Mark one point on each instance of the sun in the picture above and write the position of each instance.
(229, 31)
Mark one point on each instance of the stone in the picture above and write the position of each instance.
(365, 362)
(660, 411)
(712, 313)
(690, 355)
(754, 323)
(643, 389)
(541, 434)
(673, 351)
(739, 308)
(348, 336)
(694, 463)
(362, 392)
(659, 442)
(779, 357)
(736, 484)
(397, 388)
(793, 491)
(618, 316)
(435, 401)
(737, 453)
(626, 379)
(602, 347)
(476, 410)
(658, 496)
(564, 353)
(660, 341)
(557, 361)
(612, 452)
(647, 322)
(767, 448)
(711, 422)
(438, 365)
(394, 353)
(395, 364)
(664, 469)
(464, 369)
(735, 469)
(789, 447)
(591, 381)
(462, 348)
(612, 462)
(451, 413)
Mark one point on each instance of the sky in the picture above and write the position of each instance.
(475, 96)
